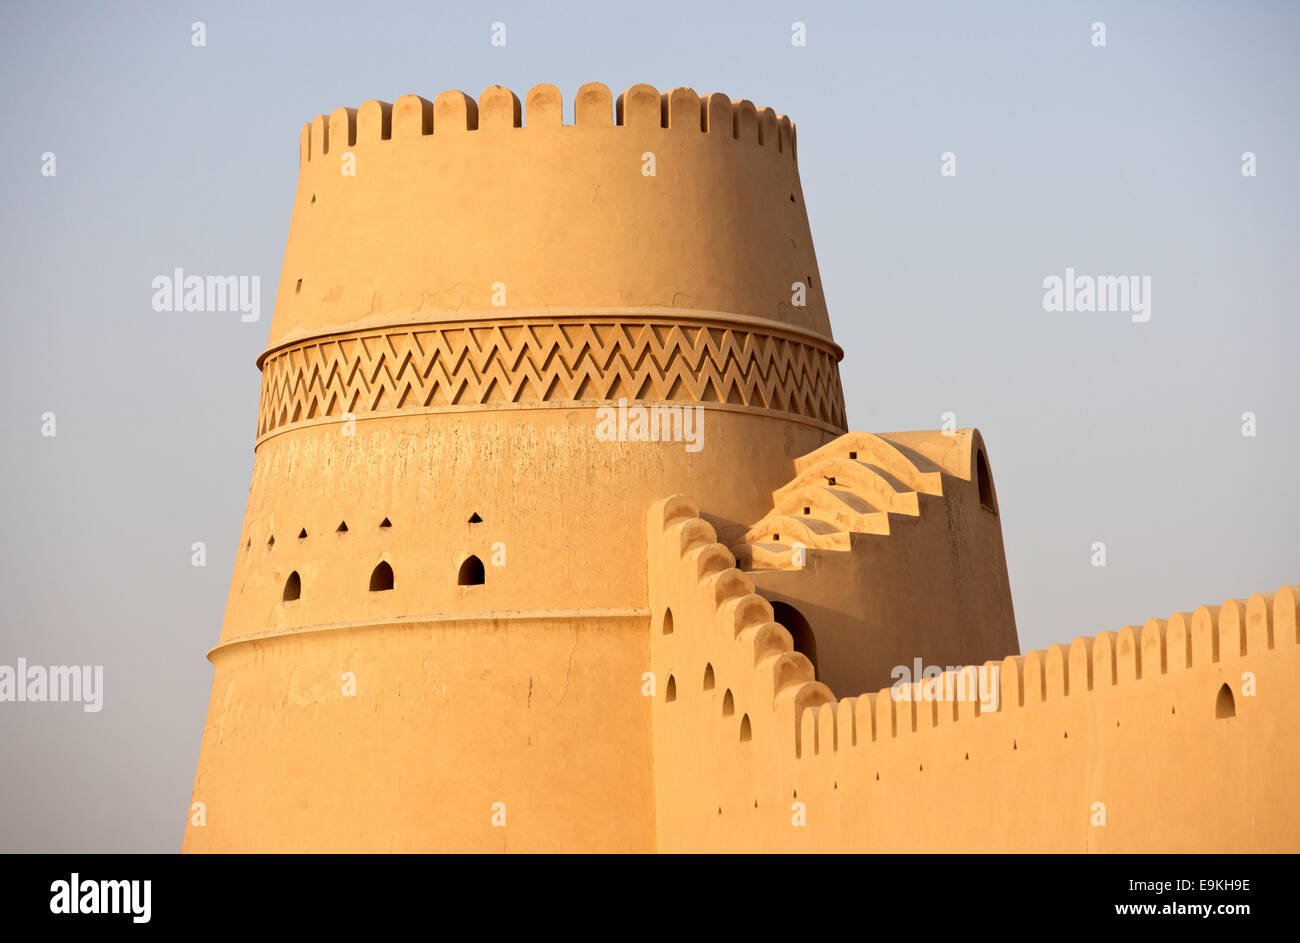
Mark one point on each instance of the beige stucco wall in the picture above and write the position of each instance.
(1126, 719)
(449, 717)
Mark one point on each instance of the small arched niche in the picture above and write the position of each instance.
(668, 622)
(985, 482)
(381, 578)
(800, 631)
(708, 677)
(670, 692)
(1224, 705)
(292, 587)
(728, 704)
(471, 572)
(745, 733)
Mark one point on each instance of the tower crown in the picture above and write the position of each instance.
(468, 288)
(456, 210)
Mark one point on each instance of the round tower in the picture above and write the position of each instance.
(498, 339)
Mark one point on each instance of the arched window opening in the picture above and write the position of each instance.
(745, 734)
(292, 587)
(670, 692)
(382, 578)
(728, 704)
(1224, 705)
(985, 481)
(471, 572)
(708, 677)
(668, 622)
(800, 631)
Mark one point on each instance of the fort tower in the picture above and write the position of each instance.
(462, 613)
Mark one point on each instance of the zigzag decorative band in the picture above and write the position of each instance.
(471, 365)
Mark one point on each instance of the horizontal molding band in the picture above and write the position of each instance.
(536, 407)
(477, 316)
(482, 615)
(528, 362)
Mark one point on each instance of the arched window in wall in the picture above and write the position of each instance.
(800, 631)
(471, 572)
(381, 578)
(1224, 705)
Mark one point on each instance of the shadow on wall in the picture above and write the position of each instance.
(804, 641)
(985, 480)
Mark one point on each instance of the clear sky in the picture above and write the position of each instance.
(1117, 160)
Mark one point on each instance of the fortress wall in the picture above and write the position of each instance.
(452, 196)
(1098, 720)
(542, 713)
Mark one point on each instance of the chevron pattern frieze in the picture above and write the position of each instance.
(468, 365)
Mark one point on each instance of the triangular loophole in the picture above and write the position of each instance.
(475, 519)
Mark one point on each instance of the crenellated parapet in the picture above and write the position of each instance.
(1022, 723)
(638, 108)
(486, 209)
(1203, 639)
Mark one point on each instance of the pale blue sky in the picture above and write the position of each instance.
(1119, 160)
